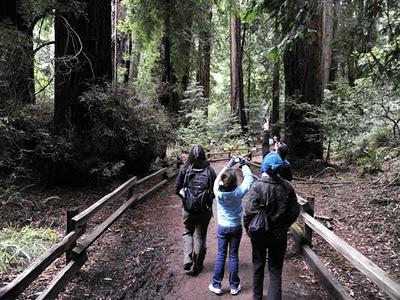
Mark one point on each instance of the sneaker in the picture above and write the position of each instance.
(217, 291)
(235, 291)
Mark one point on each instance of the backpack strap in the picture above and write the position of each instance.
(185, 180)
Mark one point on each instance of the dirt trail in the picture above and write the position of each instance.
(140, 257)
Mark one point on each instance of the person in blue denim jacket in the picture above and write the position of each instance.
(229, 207)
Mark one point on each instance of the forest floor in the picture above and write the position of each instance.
(140, 257)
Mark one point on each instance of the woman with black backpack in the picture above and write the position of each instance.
(194, 185)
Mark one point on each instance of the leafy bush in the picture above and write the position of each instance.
(357, 121)
(18, 247)
(120, 134)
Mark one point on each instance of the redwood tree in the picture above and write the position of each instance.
(203, 73)
(237, 95)
(83, 57)
(274, 119)
(304, 84)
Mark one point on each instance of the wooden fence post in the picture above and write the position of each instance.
(70, 227)
(309, 208)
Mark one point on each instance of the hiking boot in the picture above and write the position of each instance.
(235, 291)
(217, 291)
(187, 266)
(197, 269)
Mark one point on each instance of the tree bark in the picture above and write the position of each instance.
(237, 97)
(121, 41)
(203, 74)
(234, 33)
(21, 86)
(275, 99)
(327, 38)
(335, 59)
(115, 41)
(303, 84)
(133, 64)
(83, 57)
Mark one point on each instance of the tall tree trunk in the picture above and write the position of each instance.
(133, 64)
(115, 41)
(168, 97)
(335, 59)
(249, 70)
(234, 32)
(83, 57)
(127, 61)
(237, 97)
(351, 68)
(242, 111)
(327, 38)
(303, 84)
(121, 41)
(20, 85)
(203, 74)
(275, 99)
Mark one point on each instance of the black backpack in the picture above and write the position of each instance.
(198, 191)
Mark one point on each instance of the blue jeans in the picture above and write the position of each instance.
(227, 236)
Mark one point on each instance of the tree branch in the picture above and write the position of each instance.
(43, 45)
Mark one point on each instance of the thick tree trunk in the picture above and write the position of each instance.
(20, 85)
(275, 99)
(203, 74)
(82, 59)
(303, 84)
(168, 97)
(237, 97)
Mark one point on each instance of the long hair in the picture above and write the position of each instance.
(228, 181)
(197, 158)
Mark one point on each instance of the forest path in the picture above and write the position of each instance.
(140, 257)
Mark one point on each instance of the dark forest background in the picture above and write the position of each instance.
(91, 90)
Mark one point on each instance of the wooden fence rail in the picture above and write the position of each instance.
(76, 253)
(358, 260)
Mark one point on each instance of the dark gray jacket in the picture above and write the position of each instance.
(282, 209)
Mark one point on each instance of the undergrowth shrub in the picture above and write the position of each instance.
(119, 135)
(18, 247)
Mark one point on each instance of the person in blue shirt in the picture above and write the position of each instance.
(229, 207)
(285, 171)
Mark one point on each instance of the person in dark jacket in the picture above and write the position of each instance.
(195, 222)
(265, 139)
(285, 171)
(279, 200)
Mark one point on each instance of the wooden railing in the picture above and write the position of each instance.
(303, 239)
(76, 250)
